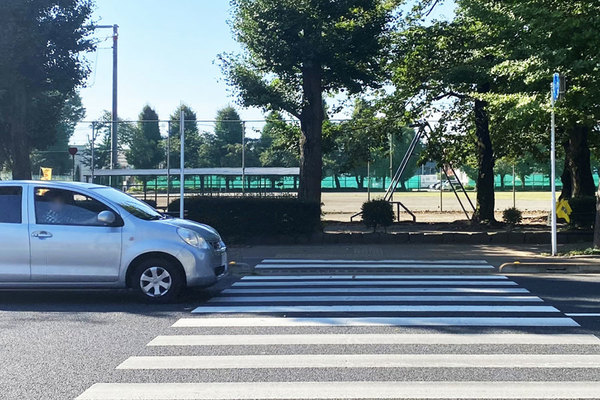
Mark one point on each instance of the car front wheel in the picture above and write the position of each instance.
(157, 280)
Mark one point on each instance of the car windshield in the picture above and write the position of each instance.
(130, 204)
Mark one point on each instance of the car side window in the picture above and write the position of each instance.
(10, 204)
(64, 207)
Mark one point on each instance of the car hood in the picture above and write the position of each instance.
(207, 232)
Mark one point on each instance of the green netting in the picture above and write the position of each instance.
(346, 182)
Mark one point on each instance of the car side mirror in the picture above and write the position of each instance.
(107, 217)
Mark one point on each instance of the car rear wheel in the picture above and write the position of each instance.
(157, 280)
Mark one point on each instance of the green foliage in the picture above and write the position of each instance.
(583, 211)
(57, 156)
(279, 142)
(377, 213)
(246, 217)
(41, 42)
(512, 216)
(102, 145)
(344, 39)
(228, 126)
(297, 50)
(193, 141)
(144, 150)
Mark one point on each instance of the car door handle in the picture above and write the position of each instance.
(41, 234)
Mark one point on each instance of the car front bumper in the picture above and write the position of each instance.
(203, 267)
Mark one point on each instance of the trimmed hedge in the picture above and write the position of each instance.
(253, 216)
(377, 212)
(512, 216)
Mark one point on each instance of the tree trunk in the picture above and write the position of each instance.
(502, 177)
(581, 169)
(565, 178)
(485, 162)
(311, 124)
(337, 181)
(360, 181)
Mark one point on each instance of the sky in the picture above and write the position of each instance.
(167, 55)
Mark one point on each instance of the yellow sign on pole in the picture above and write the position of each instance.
(46, 174)
(563, 210)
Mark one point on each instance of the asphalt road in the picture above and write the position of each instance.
(56, 345)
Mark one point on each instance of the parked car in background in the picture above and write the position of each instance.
(78, 235)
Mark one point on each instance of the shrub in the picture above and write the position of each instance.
(242, 217)
(377, 212)
(512, 216)
(583, 211)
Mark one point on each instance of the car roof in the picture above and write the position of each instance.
(57, 184)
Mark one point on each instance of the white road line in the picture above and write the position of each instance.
(337, 299)
(339, 261)
(371, 321)
(376, 290)
(361, 277)
(341, 390)
(373, 308)
(372, 266)
(374, 339)
(373, 283)
(364, 361)
(583, 314)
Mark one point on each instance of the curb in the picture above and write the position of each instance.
(548, 268)
(502, 237)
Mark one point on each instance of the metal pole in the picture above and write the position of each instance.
(168, 164)
(391, 162)
(182, 164)
(73, 167)
(553, 173)
(114, 156)
(441, 189)
(243, 157)
(514, 192)
(92, 166)
(369, 180)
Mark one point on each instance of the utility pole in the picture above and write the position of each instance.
(114, 115)
(114, 156)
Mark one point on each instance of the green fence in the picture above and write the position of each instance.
(533, 182)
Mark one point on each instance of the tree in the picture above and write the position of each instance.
(503, 167)
(144, 150)
(449, 61)
(228, 126)
(297, 50)
(102, 145)
(57, 155)
(40, 42)
(279, 142)
(193, 141)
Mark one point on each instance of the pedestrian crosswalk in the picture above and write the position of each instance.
(365, 336)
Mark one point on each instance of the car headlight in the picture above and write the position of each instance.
(192, 238)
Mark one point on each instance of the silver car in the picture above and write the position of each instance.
(78, 235)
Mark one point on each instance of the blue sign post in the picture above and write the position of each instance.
(555, 86)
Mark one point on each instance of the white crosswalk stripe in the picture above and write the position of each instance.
(287, 323)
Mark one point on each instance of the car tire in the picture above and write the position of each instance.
(157, 280)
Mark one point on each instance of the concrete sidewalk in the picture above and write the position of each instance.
(496, 255)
